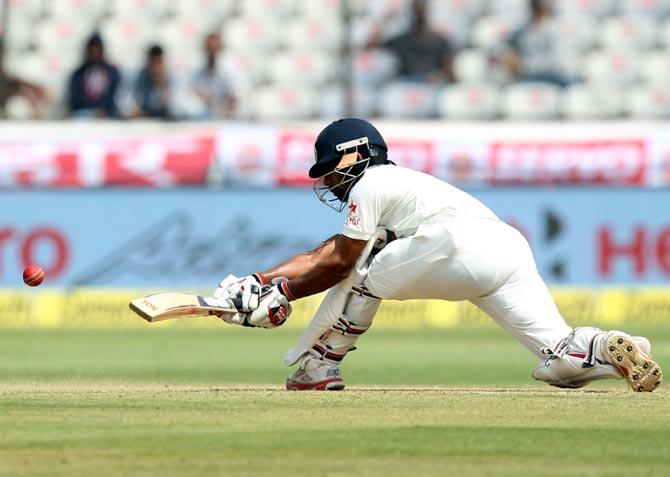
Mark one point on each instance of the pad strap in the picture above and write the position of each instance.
(327, 353)
(345, 327)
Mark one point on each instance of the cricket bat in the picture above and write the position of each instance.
(171, 305)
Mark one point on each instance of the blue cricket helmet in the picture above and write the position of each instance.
(343, 136)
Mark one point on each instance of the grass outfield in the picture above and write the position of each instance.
(185, 401)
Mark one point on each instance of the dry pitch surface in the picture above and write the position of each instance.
(78, 403)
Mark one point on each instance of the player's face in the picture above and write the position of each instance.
(334, 182)
(333, 188)
(337, 181)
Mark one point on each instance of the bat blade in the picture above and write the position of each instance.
(172, 305)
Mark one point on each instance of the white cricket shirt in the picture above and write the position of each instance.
(401, 199)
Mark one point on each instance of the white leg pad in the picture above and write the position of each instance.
(356, 320)
(334, 303)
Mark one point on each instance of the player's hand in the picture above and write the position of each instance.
(242, 293)
(273, 310)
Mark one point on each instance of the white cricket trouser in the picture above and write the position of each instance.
(484, 261)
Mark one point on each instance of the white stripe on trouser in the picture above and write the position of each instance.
(481, 260)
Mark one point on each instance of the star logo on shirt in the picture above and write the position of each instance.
(352, 208)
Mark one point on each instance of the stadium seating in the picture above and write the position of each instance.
(531, 101)
(82, 9)
(313, 34)
(468, 101)
(619, 67)
(275, 46)
(514, 11)
(408, 100)
(49, 69)
(264, 9)
(374, 67)
(211, 12)
(247, 70)
(595, 9)
(588, 102)
(184, 34)
(463, 10)
(126, 41)
(632, 32)
(61, 35)
(251, 34)
(24, 11)
(383, 9)
(649, 103)
(490, 32)
(655, 68)
(322, 9)
(147, 10)
(471, 65)
(332, 102)
(303, 69)
(579, 32)
(457, 31)
(664, 34)
(653, 8)
(283, 102)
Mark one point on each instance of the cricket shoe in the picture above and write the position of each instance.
(315, 374)
(632, 357)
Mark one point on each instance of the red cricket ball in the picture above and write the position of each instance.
(33, 275)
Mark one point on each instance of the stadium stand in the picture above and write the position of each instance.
(471, 65)
(655, 68)
(284, 47)
(333, 101)
(404, 100)
(469, 101)
(617, 67)
(646, 102)
(284, 102)
(526, 101)
(592, 102)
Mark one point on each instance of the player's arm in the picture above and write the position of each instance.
(334, 258)
(298, 265)
(320, 269)
(310, 273)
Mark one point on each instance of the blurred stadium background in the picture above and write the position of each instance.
(581, 165)
(293, 60)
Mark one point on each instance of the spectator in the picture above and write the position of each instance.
(423, 54)
(153, 87)
(212, 85)
(93, 85)
(537, 51)
(12, 86)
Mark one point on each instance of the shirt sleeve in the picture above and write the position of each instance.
(363, 213)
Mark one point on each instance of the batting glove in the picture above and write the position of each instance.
(243, 292)
(274, 307)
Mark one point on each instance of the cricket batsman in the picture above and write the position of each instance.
(408, 235)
